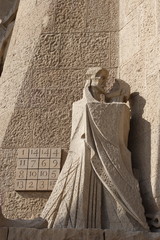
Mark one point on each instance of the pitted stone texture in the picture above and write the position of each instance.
(114, 48)
(102, 15)
(77, 50)
(70, 16)
(48, 50)
(53, 132)
(83, 50)
(21, 135)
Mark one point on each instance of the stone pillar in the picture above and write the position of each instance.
(139, 66)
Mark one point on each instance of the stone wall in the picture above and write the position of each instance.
(70, 234)
(139, 66)
(52, 45)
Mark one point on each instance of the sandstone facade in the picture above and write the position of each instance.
(52, 45)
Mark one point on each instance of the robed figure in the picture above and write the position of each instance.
(96, 187)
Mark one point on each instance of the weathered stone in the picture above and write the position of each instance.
(87, 49)
(102, 15)
(70, 17)
(114, 49)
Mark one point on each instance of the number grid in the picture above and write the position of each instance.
(37, 169)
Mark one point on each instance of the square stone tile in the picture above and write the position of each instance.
(55, 163)
(22, 153)
(44, 163)
(56, 153)
(43, 174)
(32, 174)
(22, 163)
(45, 152)
(53, 174)
(31, 185)
(34, 153)
(20, 185)
(33, 163)
(42, 185)
(21, 174)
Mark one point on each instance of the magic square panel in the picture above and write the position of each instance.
(37, 168)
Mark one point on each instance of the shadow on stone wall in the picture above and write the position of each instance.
(140, 147)
(8, 12)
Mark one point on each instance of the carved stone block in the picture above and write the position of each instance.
(44, 163)
(20, 185)
(42, 185)
(31, 185)
(43, 174)
(37, 169)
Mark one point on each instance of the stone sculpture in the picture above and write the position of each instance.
(96, 187)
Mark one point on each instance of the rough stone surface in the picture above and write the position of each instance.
(38, 223)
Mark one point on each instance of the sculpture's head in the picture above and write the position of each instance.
(97, 76)
(119, 92)
(96, 81)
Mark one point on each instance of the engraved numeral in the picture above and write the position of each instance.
(55, 163)
(45, 153)
(43, 174)
(20, 185)
(34, 153)
(55, 153)
(44, 163)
